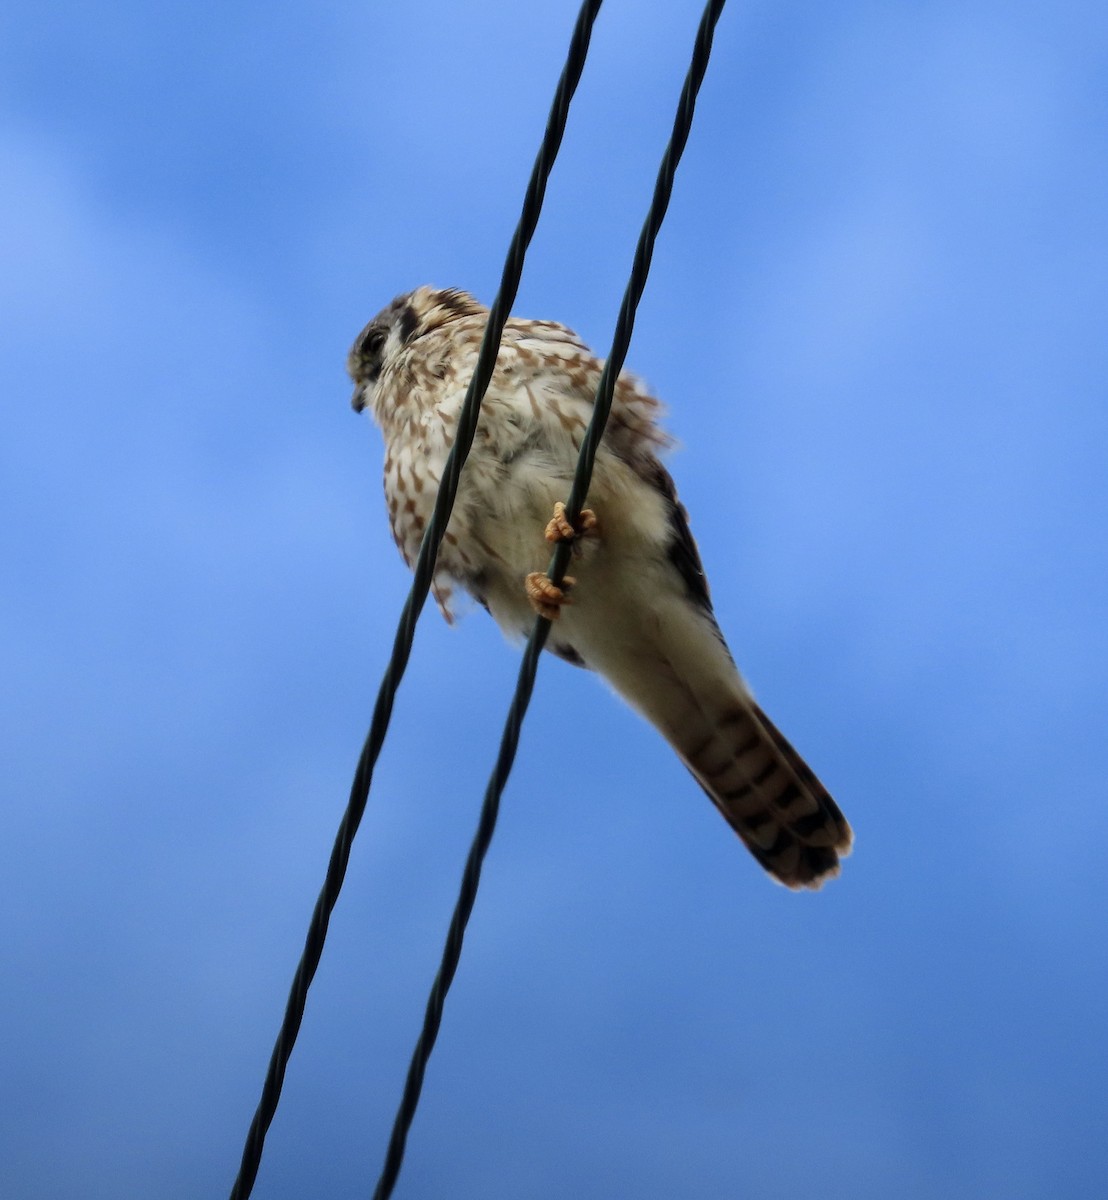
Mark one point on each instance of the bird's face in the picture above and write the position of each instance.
(408, 317)
(389, 331)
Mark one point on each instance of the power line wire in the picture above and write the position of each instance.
(417, 597)
(621, 340)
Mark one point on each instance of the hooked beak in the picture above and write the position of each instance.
(357, 401)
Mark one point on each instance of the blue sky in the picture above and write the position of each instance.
(877, 315)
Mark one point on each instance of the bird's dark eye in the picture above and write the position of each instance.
(374, 342)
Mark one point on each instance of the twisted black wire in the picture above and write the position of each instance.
(417, 597)
(509, 741)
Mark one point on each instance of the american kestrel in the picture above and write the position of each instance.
(638, 609)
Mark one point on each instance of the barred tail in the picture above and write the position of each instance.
(769, 796)
(667, 658)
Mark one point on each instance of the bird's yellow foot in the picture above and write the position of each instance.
(547, 597)
(560, 530)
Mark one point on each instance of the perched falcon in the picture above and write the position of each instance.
(638, 609)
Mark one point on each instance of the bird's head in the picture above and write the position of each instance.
(394, 328)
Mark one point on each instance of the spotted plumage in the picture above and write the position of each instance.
(640, 611)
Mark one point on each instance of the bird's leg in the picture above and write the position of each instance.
(547, 597)
(560, 530)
